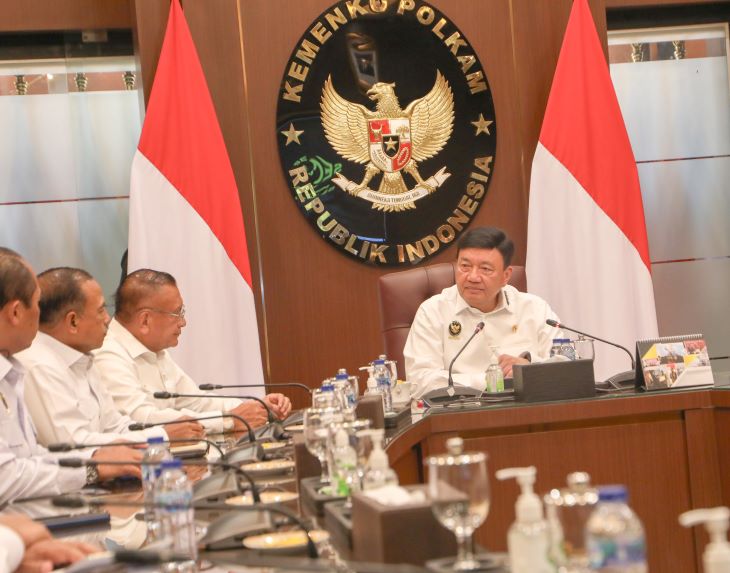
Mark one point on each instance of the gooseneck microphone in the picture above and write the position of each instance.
(477, 330)
(168, 395)
(69, 446)
(143, 426)
(454, 393)
(273, 385)
(74, 501)
(555, 323)
(81, 462)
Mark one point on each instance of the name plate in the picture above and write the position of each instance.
(673, 362)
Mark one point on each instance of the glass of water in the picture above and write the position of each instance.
(458, 487)
(316, 432)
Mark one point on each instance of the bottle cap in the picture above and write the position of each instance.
(156, 440)
(328, 387)
(341, 374)
(608, 493)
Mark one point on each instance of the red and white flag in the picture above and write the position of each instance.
(185, 217)
(587, 251)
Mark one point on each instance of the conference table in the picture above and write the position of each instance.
(671, 448)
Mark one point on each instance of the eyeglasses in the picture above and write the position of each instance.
(180, 315)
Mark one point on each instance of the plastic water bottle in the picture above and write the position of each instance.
(173, 497)
(614, 534)
(382, 376)
(157, 451)
(563, 347)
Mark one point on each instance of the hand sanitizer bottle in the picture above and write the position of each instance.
(528, 539)
(716, 558)
(378, 472)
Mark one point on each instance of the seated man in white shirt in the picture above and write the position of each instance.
(63, 389)
(514, 331)
(27, 469)
(134, 362)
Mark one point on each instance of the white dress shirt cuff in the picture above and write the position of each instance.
(11, 549)
(215, 425)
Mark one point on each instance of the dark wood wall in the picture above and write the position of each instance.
(317, 309)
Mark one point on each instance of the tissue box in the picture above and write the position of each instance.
(544, 381)
(337, 520)
(370, 407)
(306, 464)
(398, 534)
(312, 501)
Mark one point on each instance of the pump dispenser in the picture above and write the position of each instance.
(372, 384)
(528, 540)
(378, 472)
(716, 558)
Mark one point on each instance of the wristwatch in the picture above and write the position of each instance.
(92, 475)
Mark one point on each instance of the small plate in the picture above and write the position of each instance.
(270, 467)
(266, 497)
(284, 541)
(295, 428)
(273, 446)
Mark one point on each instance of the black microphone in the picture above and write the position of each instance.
(81, 462)
(449, 393)
(166, 395)
(275, 385)
(72, 501)
(477, 330)
(143, 425)
(69, 446)
(555, 323)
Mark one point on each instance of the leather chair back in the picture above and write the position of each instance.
(402, 292)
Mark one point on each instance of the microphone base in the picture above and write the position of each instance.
(441, 396)
(621, 381)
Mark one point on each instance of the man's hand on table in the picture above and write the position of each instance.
(121, 453)
(506, 362)
(42, 552)
(251, 411)
(279, 404)
(185, 430)
(46, 555)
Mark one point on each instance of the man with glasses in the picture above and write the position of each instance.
(62, 385)
(135, 364)
(514, 331)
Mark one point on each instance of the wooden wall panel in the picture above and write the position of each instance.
(42, 15)
(318, 308)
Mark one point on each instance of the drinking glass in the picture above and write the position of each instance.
(458, 487)
(584, 347)
(316, 432)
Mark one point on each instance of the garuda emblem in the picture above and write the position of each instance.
(389, 140)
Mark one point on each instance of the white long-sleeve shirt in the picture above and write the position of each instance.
(26, 469)
(12, 550)
(131, 374)
(64, 396)
(515, 326)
